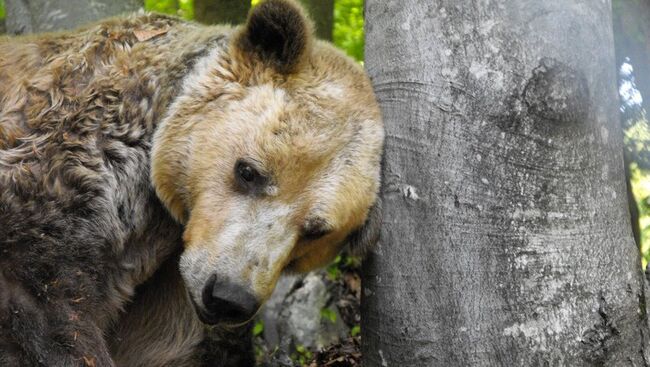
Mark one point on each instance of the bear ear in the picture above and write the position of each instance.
(363, 239)
(277, 33)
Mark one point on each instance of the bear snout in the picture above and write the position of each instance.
(225, 302)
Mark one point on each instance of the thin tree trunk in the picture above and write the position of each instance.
(506, 237)
(33, 16)
(322, 12)
(631, 200)
(221, 11)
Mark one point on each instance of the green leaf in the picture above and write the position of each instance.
(186, 8)
(300, 348)
(356, 330)
(333, 272)
(258, 328)
(352, 262)
(348, 27)
(182, 8)
(161, 6)
(328, 314)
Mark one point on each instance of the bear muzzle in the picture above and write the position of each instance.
(225, 302)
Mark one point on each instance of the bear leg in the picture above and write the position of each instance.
(35, 332)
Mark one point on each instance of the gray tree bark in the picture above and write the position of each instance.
(322, 13)
(34, 16)
(506, 238)
(221, 11)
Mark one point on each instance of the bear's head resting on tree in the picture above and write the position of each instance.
(270, 157)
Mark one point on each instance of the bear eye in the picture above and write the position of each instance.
(248, 177)
(246, 172)
(314, 228)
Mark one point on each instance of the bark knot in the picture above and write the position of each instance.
(557, 92)
(600, 338)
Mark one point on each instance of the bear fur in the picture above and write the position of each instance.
(117, 148)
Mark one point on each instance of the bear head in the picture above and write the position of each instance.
(270, 157)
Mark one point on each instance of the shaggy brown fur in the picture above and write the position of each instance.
(84, 208)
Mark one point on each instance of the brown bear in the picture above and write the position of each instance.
(157, 175)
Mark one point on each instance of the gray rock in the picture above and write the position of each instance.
(293, 316)
(270, 313)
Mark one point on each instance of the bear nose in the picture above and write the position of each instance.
(226, 301)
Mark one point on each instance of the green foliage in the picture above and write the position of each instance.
(637, 142)
(186, 7)
(356, 330)
(641, 187)
(328, 314)
(302, 355)
(162, 6)
(333, 270)
(182, 8)
(2, 9)
(258, 328)
(348, 27)
(340, 263)
(351, 262)
(347, 30)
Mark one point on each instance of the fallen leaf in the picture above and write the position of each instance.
(147, 34)
(354, 282)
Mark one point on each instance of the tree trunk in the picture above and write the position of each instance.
(506, 238)
(33, 16)
(631, 201)
(221, 11)
(322, 12)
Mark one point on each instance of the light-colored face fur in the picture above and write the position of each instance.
(312, 135)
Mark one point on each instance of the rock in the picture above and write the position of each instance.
(274, 305)
(311, 320)
(301, 315)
